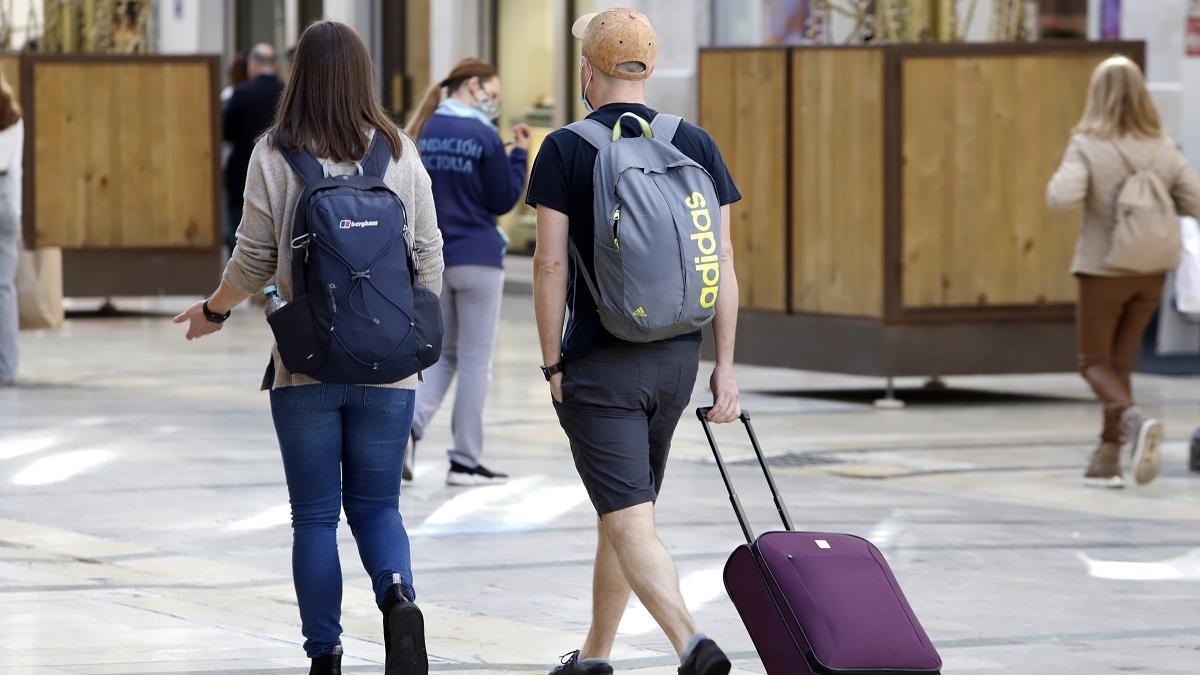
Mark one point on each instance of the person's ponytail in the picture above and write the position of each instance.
(424, 111)
(462, 71)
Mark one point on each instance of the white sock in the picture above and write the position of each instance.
(692, 644)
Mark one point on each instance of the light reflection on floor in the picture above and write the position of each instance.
(518, 505)
(60, 467)
(1184, 567)
(16, 447)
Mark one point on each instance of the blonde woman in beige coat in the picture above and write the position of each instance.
(1120, 130)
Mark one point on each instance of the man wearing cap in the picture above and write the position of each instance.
(625, 399)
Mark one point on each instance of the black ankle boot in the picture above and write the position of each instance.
(403, 633)
(330, 664)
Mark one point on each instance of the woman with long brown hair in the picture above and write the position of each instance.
(1119, 136)
(12, 142)
(342, 444)
(474, 180)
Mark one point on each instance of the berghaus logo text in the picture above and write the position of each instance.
(351, 224)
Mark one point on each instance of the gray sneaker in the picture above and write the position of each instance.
(1105, 468)
(1144, 436)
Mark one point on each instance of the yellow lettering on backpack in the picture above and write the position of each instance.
(708, 262)
(696, 201)
(706, 241)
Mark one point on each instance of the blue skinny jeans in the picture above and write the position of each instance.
(343, 447)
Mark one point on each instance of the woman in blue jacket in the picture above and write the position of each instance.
(474, 181)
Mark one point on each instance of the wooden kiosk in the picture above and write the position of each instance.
(894, 219)
(122, 169)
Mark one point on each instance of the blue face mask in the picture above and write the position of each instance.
(587, 105)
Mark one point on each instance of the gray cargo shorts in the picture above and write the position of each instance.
(620, 407)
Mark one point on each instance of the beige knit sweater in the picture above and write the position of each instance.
(1091, 174)
(264, 236)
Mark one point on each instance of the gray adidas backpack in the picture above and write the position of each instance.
(657, 236)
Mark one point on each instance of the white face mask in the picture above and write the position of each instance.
(587, 105)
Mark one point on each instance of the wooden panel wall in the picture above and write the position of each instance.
(981, 138)
(124, 153)
(743, 103)
(837, 181)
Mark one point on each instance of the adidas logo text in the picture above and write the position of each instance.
(708, 262)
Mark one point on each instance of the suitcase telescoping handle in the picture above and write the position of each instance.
(702, 413)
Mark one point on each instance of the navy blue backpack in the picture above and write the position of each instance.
(357, 315)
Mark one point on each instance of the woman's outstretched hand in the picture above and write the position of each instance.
(522, 135)
(198, 324)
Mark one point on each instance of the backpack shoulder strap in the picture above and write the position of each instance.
(664, 127)
(379, 157)
(305, 165)
(1129, 165)
(592, 131)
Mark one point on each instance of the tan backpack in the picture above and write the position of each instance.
(1145, 238)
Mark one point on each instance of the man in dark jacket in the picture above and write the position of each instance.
(249, 113)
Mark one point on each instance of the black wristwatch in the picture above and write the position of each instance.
(213, 316)
(551, 371)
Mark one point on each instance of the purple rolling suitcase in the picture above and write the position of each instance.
(819, 602)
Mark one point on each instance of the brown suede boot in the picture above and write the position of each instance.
(1105, 467)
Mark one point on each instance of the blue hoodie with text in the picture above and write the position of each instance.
(474, 181)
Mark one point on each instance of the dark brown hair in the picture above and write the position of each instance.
(237, 70)
(329, 100)
(462, 71)
(10, 110)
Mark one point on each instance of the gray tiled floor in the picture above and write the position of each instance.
(143, 521)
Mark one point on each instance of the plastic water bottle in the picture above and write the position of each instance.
(274, 302)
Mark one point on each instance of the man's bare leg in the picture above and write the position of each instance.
(610, 597)
(649, 570)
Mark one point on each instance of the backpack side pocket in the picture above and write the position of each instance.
(296, 337)
(427, 320)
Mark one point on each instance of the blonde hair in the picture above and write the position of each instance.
(1118, 103)
(10, 110)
